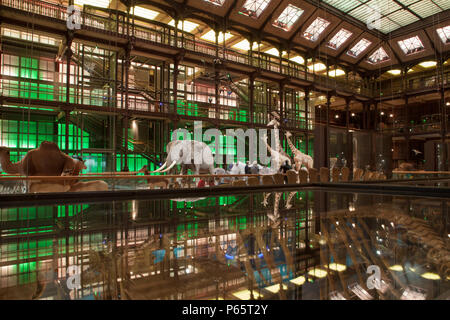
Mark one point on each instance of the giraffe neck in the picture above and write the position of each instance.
(293, 148)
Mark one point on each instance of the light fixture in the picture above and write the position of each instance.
(275, 288)
(396, 267)
(431, 276)
(246, 295)
(317, 67)
(391, 115)
(336, 73)
(144, 13)
(395, 72)
(275, 52)
(382, 113)
(337, 267)
(298, 281)
(97, 3)
(245, 45)
(352, 114)
(428, 64)
(298, 59)
(336, 116)
(447, 104)
(188, 25)
(318, 273)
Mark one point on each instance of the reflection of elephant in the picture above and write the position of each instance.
(190, 154)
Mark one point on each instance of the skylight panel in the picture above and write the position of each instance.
(313, 32)
(425, 8)
(254, 8)
(188, 25)
(216, 2)
(344, 6)
(444, 34)
(362, 45)
(288, 17)
(411, 45)
(211, 36)
(339, 38)
(95, 3)
(378, 56)
(145, 13)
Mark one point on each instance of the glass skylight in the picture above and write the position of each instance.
(362, 45)
(211, 36)
(144, 13)
(216, 2)
(288, 17)
(444, 34)
(378, 56)
(188, 25)
(339, 38)
(254, 8)
(313, 32)
(411, 45)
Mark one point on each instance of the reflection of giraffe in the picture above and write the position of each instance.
(276, 158)
(275, 216)
(299, 157)
(289, 199)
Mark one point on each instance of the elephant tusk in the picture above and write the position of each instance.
(170, 167)
(160, 168)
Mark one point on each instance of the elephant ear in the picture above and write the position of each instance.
(181, 153)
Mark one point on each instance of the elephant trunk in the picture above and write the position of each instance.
(170, 167)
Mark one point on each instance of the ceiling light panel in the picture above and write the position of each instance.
(313, 32)
(444, 34)
(387, 25)
(144, 13)
(95, 3)
(216, 2)
(288, 17)
(444, 4)
(361, 46)
(411, 45)
(298, 59)
(378, 56)
(339, 39)
(245, 45)
(254, 8)
(211, 36)
(188, 25)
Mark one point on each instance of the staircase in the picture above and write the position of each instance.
(241, 93)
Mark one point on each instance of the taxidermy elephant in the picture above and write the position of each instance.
(190, 154)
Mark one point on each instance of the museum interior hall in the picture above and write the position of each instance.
(224, 149)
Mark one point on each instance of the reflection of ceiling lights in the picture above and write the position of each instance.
(188, 25)
(317, 67)
(298, 281)
(144, 13)
(395, 72)
(428, 64)
(211, 36)
(245, 295)
(396, 267)
(337, 267)
(275, 288)
(431, 276)
(319, 273)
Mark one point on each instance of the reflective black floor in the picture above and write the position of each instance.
(292, 245)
